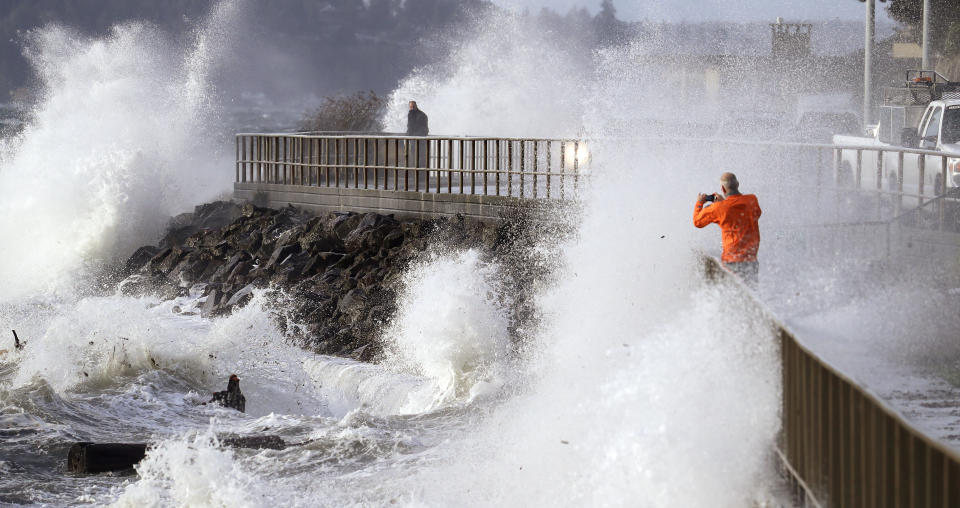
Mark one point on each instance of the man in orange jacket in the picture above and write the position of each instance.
(738, 215)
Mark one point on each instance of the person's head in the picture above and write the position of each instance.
(413, 104)
(729, 184)
(234, 383)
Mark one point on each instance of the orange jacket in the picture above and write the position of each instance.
(737, 216)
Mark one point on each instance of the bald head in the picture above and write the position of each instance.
(730, 184)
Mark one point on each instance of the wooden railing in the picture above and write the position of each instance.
(515, 167)
(840, 443)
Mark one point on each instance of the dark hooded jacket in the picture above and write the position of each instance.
(417, 123)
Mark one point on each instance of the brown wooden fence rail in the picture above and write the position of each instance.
(841, 444)
(512, 167)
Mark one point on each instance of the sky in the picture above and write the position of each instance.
(716, 10)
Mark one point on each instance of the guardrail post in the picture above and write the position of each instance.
(921, 168)
(523, 162)
(942, 204)
(857, 180)
(576, 166)
(837, 158)
(549, 165)
(496, 150)
(899, 182)
(486, 166)
(449, 166)
(536, 165)
(510, 167)
(462, 163)
(563, 163)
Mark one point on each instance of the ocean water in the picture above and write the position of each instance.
(640, 386)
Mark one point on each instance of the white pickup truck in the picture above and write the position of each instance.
(938, 130)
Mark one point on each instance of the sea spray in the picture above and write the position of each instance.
(497, 85)
(195, 471)
(647, 389)
(124, 134)
(451, 328)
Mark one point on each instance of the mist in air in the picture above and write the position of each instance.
(639, 384)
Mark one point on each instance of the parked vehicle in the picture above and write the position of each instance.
(924, 114)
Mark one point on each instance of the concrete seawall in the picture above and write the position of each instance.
(399, 203)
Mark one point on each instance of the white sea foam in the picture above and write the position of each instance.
(451, 328)
(641, 388)
(195, 472)
(123, 136)
(647, 390)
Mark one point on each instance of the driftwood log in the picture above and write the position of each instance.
(85, 457)
(104, 457)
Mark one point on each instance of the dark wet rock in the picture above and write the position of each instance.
(280, 254)
(209, 307)
(337, 274)
(142, 256)
(241, 297)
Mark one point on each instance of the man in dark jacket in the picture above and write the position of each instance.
(416, 121)
(417, 126)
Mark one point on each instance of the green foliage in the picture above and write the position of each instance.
(360, 112)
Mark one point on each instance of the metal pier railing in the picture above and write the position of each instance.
(512, 167)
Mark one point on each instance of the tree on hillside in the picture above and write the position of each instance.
(945, 15)
(359, 112)
(609, 29)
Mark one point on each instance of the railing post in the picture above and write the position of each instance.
(837, 158)
(857, 180)
(326, 162)
(486, 166)
(563, 164)
(942, 205)
(510, 168)
(462, 164)
(899, 182)
(536, 165)
(549, 165)
(366, 163)
(376, 166)
(337, 161)
(426, 184)
(921, 169)
(406, 165)
(576, 165)
(450, 166)
(880, 154)
(497, 163)
(473, 166)
(523, 162)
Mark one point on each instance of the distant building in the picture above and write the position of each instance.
(791, 41)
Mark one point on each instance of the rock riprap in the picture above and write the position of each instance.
(336, 274)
